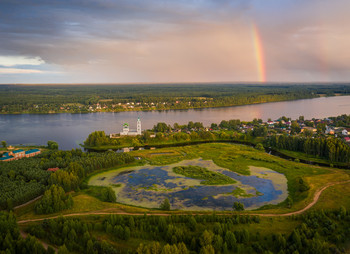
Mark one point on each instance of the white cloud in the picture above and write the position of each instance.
(18, 71)
(10, 61)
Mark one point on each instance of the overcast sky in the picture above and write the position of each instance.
(91, 41)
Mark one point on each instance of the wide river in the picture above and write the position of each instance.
(69, 130)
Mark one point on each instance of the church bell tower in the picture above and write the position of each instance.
(138, 130)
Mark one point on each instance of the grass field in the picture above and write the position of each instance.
(334, 197)
(237, 158)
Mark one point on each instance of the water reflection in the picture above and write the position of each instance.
(148, 186)
(71, 129)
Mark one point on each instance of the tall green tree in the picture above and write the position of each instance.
(165, 205)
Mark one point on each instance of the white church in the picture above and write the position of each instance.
(127, 132)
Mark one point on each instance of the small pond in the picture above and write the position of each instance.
(148, 186)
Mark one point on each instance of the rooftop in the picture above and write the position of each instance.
(18, 151)
(32, 151)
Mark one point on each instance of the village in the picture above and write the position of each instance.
(310, 128)
(282, 125)
(313, 128)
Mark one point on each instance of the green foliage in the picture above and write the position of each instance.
(314, 232)
(155, 248)
(302, 184)
(25, 179)
(289, 202)
(52, 145)
(209, 177)
(238, 206)
(259, 131)
(97, 138)
(21, 181)
(4, 144)
(103, 193)
(73, 235)
(332, 149)
(230, 125)
(54, 200)
(165, 205)
(10, 239)
(77, 99)
(295, 127)
(68, 181)
(341, 121)
(63, 250)
(260, 147)
(161, 127)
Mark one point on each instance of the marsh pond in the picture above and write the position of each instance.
(148, 185)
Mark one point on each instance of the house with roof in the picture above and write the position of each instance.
(345, 132)
(308, 128)
(52, 169)
(329, 130)
(270, 124)
(19, 154)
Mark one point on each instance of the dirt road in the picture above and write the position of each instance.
(46, 246)
(315, 199)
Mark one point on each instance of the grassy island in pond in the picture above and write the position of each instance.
(195, 184)
(209, 177)
(261, 180)
(274, 185)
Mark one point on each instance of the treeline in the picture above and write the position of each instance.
(21, 181)
(333, 149)
(25, 179)
(166, 134)
(73, 235)
(320, 232)
(12, 242)
(341, 121)
(71, 178)
(44, 99)
(315, 232)
(181, 234)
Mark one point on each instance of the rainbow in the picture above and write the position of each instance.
(259, 54)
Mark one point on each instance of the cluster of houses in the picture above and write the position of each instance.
(138, 105)
(285, 126)
(19, 154)
(127, 105)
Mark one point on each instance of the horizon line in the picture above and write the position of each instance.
(179, 83)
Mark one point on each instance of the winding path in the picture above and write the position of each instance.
(46, 246)
(314, 201)
(29, 202)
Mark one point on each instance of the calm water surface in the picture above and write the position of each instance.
(71, 129)
(148, 186)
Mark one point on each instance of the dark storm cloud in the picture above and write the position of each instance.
(50, 28)
(184, 40)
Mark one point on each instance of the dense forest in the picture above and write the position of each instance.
(113, 98)
(25, 179)
(315, 232)
(333, 149)
(12, 242)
